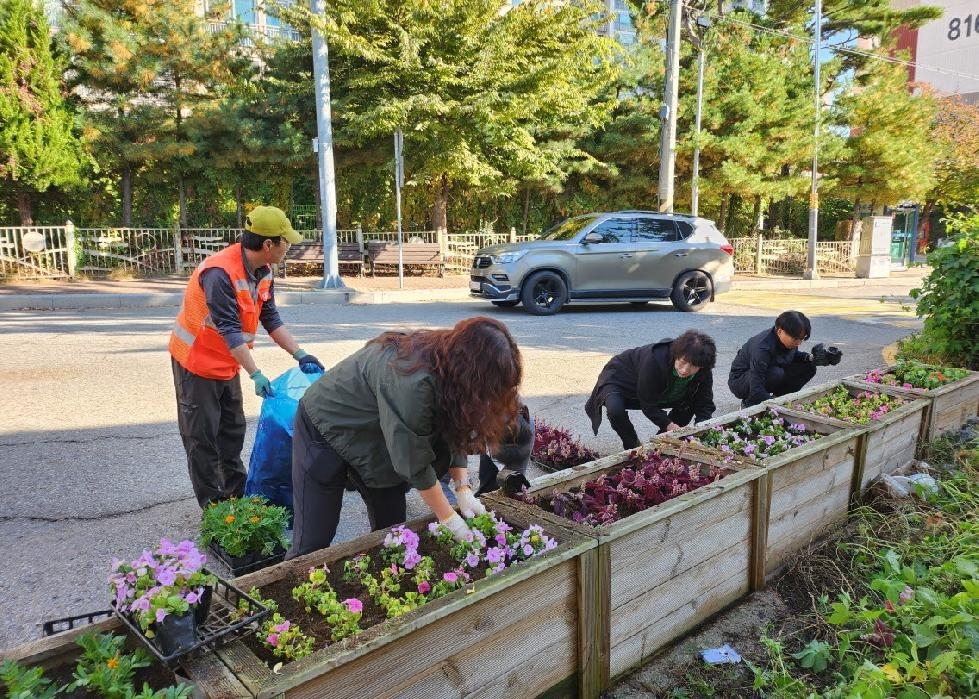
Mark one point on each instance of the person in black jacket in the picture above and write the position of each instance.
(671, 373)
(771, 363)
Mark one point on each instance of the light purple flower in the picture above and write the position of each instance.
(353, 605)
(283, 627)
(472, 560)
(450, 577)
(273, 640)
(161, 614)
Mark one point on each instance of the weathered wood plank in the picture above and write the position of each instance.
(481, 628)
(800, 526)
(677, 609)
(594, 619)
(213, 679)
(685, 547)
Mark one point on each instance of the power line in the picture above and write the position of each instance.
(855, 52)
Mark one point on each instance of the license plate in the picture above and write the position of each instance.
(475, 286)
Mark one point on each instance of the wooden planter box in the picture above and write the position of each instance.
(807, 489)
(949, 406)
(886, 445)
(61, 649)
(665, 570)
(518, 633)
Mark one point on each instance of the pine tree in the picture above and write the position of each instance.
(38, 145)
(146, 71)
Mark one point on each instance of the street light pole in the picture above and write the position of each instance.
(324, 150)
(667, 143)
(811, 272)
(704, 23)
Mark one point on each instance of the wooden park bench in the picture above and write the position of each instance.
(348, 254)
(416, 256)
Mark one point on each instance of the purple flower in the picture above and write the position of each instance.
(161, 614)
(494, 555)
(354, 605)
(472, 560)
(272, 639)
(283, 627)
(424, 587)
(450, 577)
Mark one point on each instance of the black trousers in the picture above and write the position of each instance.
(319, 476)
(211, 419)
(779, 381)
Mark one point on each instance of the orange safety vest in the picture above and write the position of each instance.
(195, 341)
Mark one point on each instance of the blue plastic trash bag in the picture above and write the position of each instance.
(270, 465)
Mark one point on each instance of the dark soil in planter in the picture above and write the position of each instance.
(313, 624)
(156, 675)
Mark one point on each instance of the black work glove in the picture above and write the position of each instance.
(819, 356)
(308, 364)
(511, 481)
(834, 355)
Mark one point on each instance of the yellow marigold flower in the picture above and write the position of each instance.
(253, 520)
(112, 663)
(229, 519)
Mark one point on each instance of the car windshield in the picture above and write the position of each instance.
(568, 228)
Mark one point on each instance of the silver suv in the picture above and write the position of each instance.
(633, 256)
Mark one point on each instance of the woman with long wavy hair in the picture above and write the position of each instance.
(402, 411)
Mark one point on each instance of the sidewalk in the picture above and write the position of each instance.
(168, 291)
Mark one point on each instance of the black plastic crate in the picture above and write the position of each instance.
(239, 565)
(50, 628)
(231, 612)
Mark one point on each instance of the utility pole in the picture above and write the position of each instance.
(667, 143)
(324, 150)
(811, 271)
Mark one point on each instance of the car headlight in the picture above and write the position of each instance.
(505, 258)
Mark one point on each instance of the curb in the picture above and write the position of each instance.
(50, 301)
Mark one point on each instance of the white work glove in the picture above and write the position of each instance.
(468, 503)
(457, 525)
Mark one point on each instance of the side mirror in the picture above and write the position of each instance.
(592, 237)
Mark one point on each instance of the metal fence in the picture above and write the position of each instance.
(52, 252)
(789, 256)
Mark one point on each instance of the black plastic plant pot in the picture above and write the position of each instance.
(250, 562)
(223, 612)
(176, 633)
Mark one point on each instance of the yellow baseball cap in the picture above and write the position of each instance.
(270, 221)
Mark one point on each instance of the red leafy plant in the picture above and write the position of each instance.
(557, 449)
(648, 479)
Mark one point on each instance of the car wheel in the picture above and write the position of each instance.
(505, 304)
(691, 292)
(544, 293)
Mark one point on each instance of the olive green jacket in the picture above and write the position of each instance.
(382, 422)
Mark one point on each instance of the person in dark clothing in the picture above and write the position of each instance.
(671, 373)
(771, 364)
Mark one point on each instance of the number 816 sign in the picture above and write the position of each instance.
(963, 27)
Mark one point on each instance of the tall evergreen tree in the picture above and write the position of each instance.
(38, 145)
(146, 70)
(486, 98)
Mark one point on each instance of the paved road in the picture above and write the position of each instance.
(90, 458)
